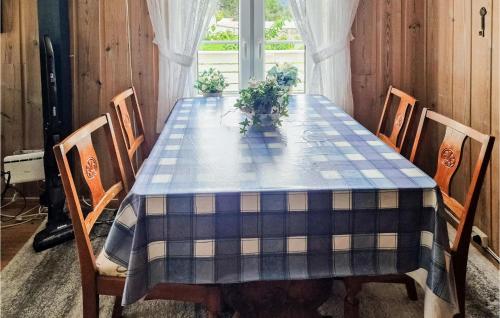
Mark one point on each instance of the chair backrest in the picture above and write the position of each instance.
(401, 120)
(132, 139)
(91, 170)
(448, 161)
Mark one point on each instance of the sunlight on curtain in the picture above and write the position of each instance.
(179, 26)
(325, 26)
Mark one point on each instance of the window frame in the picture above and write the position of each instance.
(252, 43)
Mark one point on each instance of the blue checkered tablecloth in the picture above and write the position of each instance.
(319, 197)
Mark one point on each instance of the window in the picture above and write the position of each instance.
(246, 38)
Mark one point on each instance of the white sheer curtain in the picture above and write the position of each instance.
(325, 27)
(179, 26)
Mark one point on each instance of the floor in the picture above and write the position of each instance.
(13, 238)
(47, 284)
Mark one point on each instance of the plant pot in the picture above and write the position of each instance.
(218, 94)
(266, 120)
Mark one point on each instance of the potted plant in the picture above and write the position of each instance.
(264, 103)
(211, 83)
(285, 74)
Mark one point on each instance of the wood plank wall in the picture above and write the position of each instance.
(422, 46)
(104, 31)
(432, 49)
(459, 74)
(20, 96)
(21, 99)
(495, 120)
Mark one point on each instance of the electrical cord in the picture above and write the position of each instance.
(90, 205)
(35, 215)
(107, 221)
(24, 217)
(25, 203)
(7, 182)
(8, 203)
(15, 224)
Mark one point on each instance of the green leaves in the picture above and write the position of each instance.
(263, 98)
(285, 74)
(244, 126)
(211, 81)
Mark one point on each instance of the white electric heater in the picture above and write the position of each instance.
(25, 167)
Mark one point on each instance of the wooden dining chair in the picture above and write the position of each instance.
(448, 162)
(101, 276)
(132, 138)
(402, 119)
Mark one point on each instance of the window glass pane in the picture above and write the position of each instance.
(283, 40)
(219, 48)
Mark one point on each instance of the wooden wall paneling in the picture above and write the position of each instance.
(21, 100)
(86, 31)
(112, 47)
(88, 60)
(481, 102)
(495, 129)
(461, 87)
(413, 69)
(427, 163)
(363, 65)
(8, 16)
(116, 67)
(31, 79)
(439, 59)
(432, 52)
(32, 123)
(396, 36)
(388, 47)
(73, 52)
(392, 52)
(144, 63)
(444, 101)
(11, 81)
(116, 58)
(414, 46)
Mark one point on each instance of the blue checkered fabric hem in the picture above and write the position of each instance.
(240, 237)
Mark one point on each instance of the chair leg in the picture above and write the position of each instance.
(212, 315)
(117, 308)
(460, 275)
(90, 304)
(214, 303)
(411, 290)
(351, 302)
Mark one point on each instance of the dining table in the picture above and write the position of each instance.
(274, 214)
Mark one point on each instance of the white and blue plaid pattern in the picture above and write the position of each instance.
(319, 197)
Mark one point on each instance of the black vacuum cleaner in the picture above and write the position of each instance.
(53, 21)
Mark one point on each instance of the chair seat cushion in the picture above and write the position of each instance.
(107, 267)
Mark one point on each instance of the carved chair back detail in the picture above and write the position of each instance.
(91, 170)
(448, 162)
(401, 120)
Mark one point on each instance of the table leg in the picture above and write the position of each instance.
(277, 298)
(351, 302)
